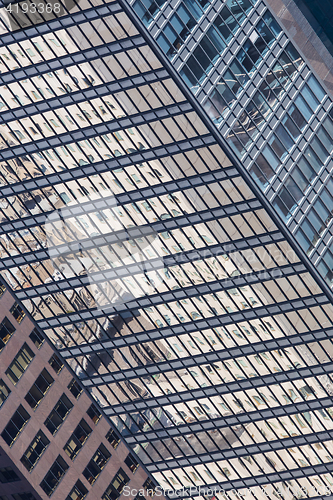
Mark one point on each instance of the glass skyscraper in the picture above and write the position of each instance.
(166, 205)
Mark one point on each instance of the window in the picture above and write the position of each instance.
(15, 425)
(39, 389)
(54, 476)
(20, 364)
(132, 462)
(75, 389)
(149, 486)
(35, 451)
(36, 338)
(78, 492)
(113, 438)
(116, 486)
(176, 31)
(147, 10)
(93, 413)
(6, 331)
(4, 392)
(56, 363)
(7, 475)
(65, 198)
(58, 414)
(77, 439)
(96, 464)
(17, 311)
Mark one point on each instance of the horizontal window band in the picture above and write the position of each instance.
(141, 231)
(211, 357)
(106, 166)
(203, 289)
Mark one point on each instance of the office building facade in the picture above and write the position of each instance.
(165, 204)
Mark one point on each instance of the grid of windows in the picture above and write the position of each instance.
(36, 338)
(56, 363)
(132, 462)
(94, 413)
(8, 475)
(75, 389)
(4, 392)
(113, 438)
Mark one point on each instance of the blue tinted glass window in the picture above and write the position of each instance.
(258, 177)
(325, 139)
(319, 149)
(188, 76)
(322, 210)
(271, 158)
